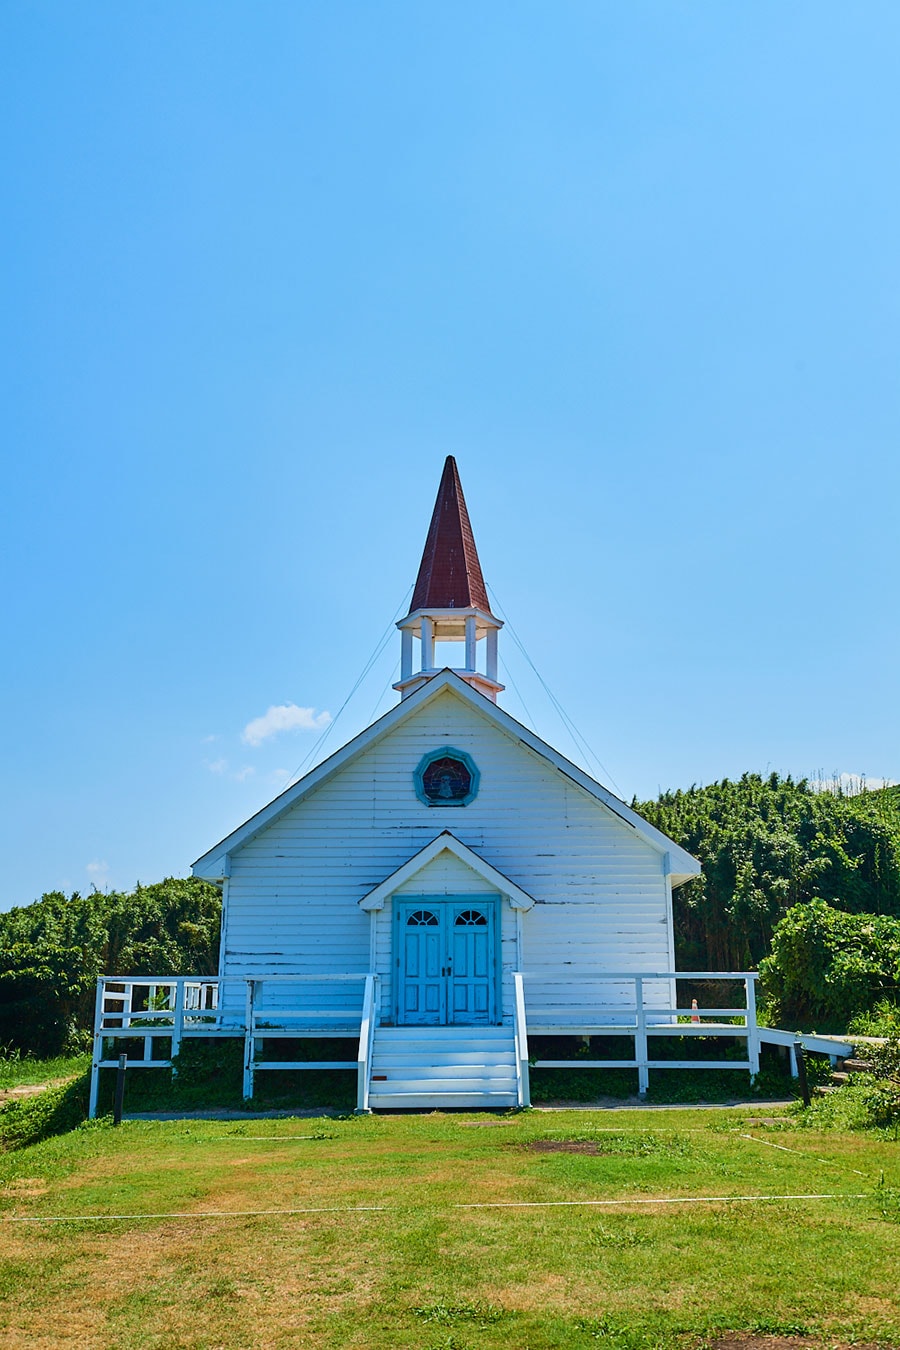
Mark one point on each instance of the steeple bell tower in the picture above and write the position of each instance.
(450, 601)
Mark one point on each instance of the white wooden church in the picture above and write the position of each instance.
(440, 889)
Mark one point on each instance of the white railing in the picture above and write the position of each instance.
(637, 1012)
(267, 1023)
(146, 1009)
(609, 1003)
(366, 1041)
(149, 1008)
(523, 1085)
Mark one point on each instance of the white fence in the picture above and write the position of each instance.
(159, 1012)
(638, 1006)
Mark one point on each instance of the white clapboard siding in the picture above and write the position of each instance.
(446, 875)
(293, 891)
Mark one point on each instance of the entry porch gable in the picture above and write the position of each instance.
(446, 842)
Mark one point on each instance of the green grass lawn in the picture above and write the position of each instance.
(386, 1244)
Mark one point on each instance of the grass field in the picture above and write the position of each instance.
(359, 1232)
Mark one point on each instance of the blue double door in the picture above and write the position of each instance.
(445, 961)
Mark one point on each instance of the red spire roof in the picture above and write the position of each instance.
(450, 573)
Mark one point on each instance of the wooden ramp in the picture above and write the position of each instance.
(837, 1047)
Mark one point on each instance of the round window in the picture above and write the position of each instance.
(446, 777)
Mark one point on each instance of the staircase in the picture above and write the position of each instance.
(435, 1068)
(843, 1075)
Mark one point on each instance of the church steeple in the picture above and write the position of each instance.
(450, 573)
(450, 601)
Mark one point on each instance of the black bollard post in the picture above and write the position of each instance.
(801, 1072)
(120, 1090)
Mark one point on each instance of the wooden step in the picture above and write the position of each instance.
(446, 1083)
(431, 1068)
(441, 1101)
(446, 1033)
(391, 1059)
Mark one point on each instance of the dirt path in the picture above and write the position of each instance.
(15, 1094)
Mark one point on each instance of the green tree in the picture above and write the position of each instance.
(767, 844)
(52, 951)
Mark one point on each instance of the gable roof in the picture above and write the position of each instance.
(678, 863)
(446, 842)
(450, 573)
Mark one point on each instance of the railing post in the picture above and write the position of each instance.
(800, 1061)
(249, 1041)
(640, 1037)
(98, 1050)
(119, 1099)
(752, 1030)
(366, 1038)
(152, 1001)
(523, 1079)
(177, 1022)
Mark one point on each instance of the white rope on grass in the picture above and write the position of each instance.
(801, 1153)
(665, 1200)
(426, 1209)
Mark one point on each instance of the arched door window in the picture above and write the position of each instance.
(470, 918)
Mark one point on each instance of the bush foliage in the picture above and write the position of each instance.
(51, 953)
(826, 966)
(867, 1101)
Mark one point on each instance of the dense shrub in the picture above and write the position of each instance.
(867, 1101)
(882, 1020)
(582, 1085)
(825, 966)
(884, 1099)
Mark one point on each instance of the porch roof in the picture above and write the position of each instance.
(446, 842)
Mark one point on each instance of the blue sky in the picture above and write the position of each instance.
(264, 266)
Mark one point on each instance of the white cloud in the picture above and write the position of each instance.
(218, 765)
(246, 772)
(208, 740)
(283, 717)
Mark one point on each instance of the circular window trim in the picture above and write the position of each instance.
(446, 752)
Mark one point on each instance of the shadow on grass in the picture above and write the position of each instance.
(55, 1111)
